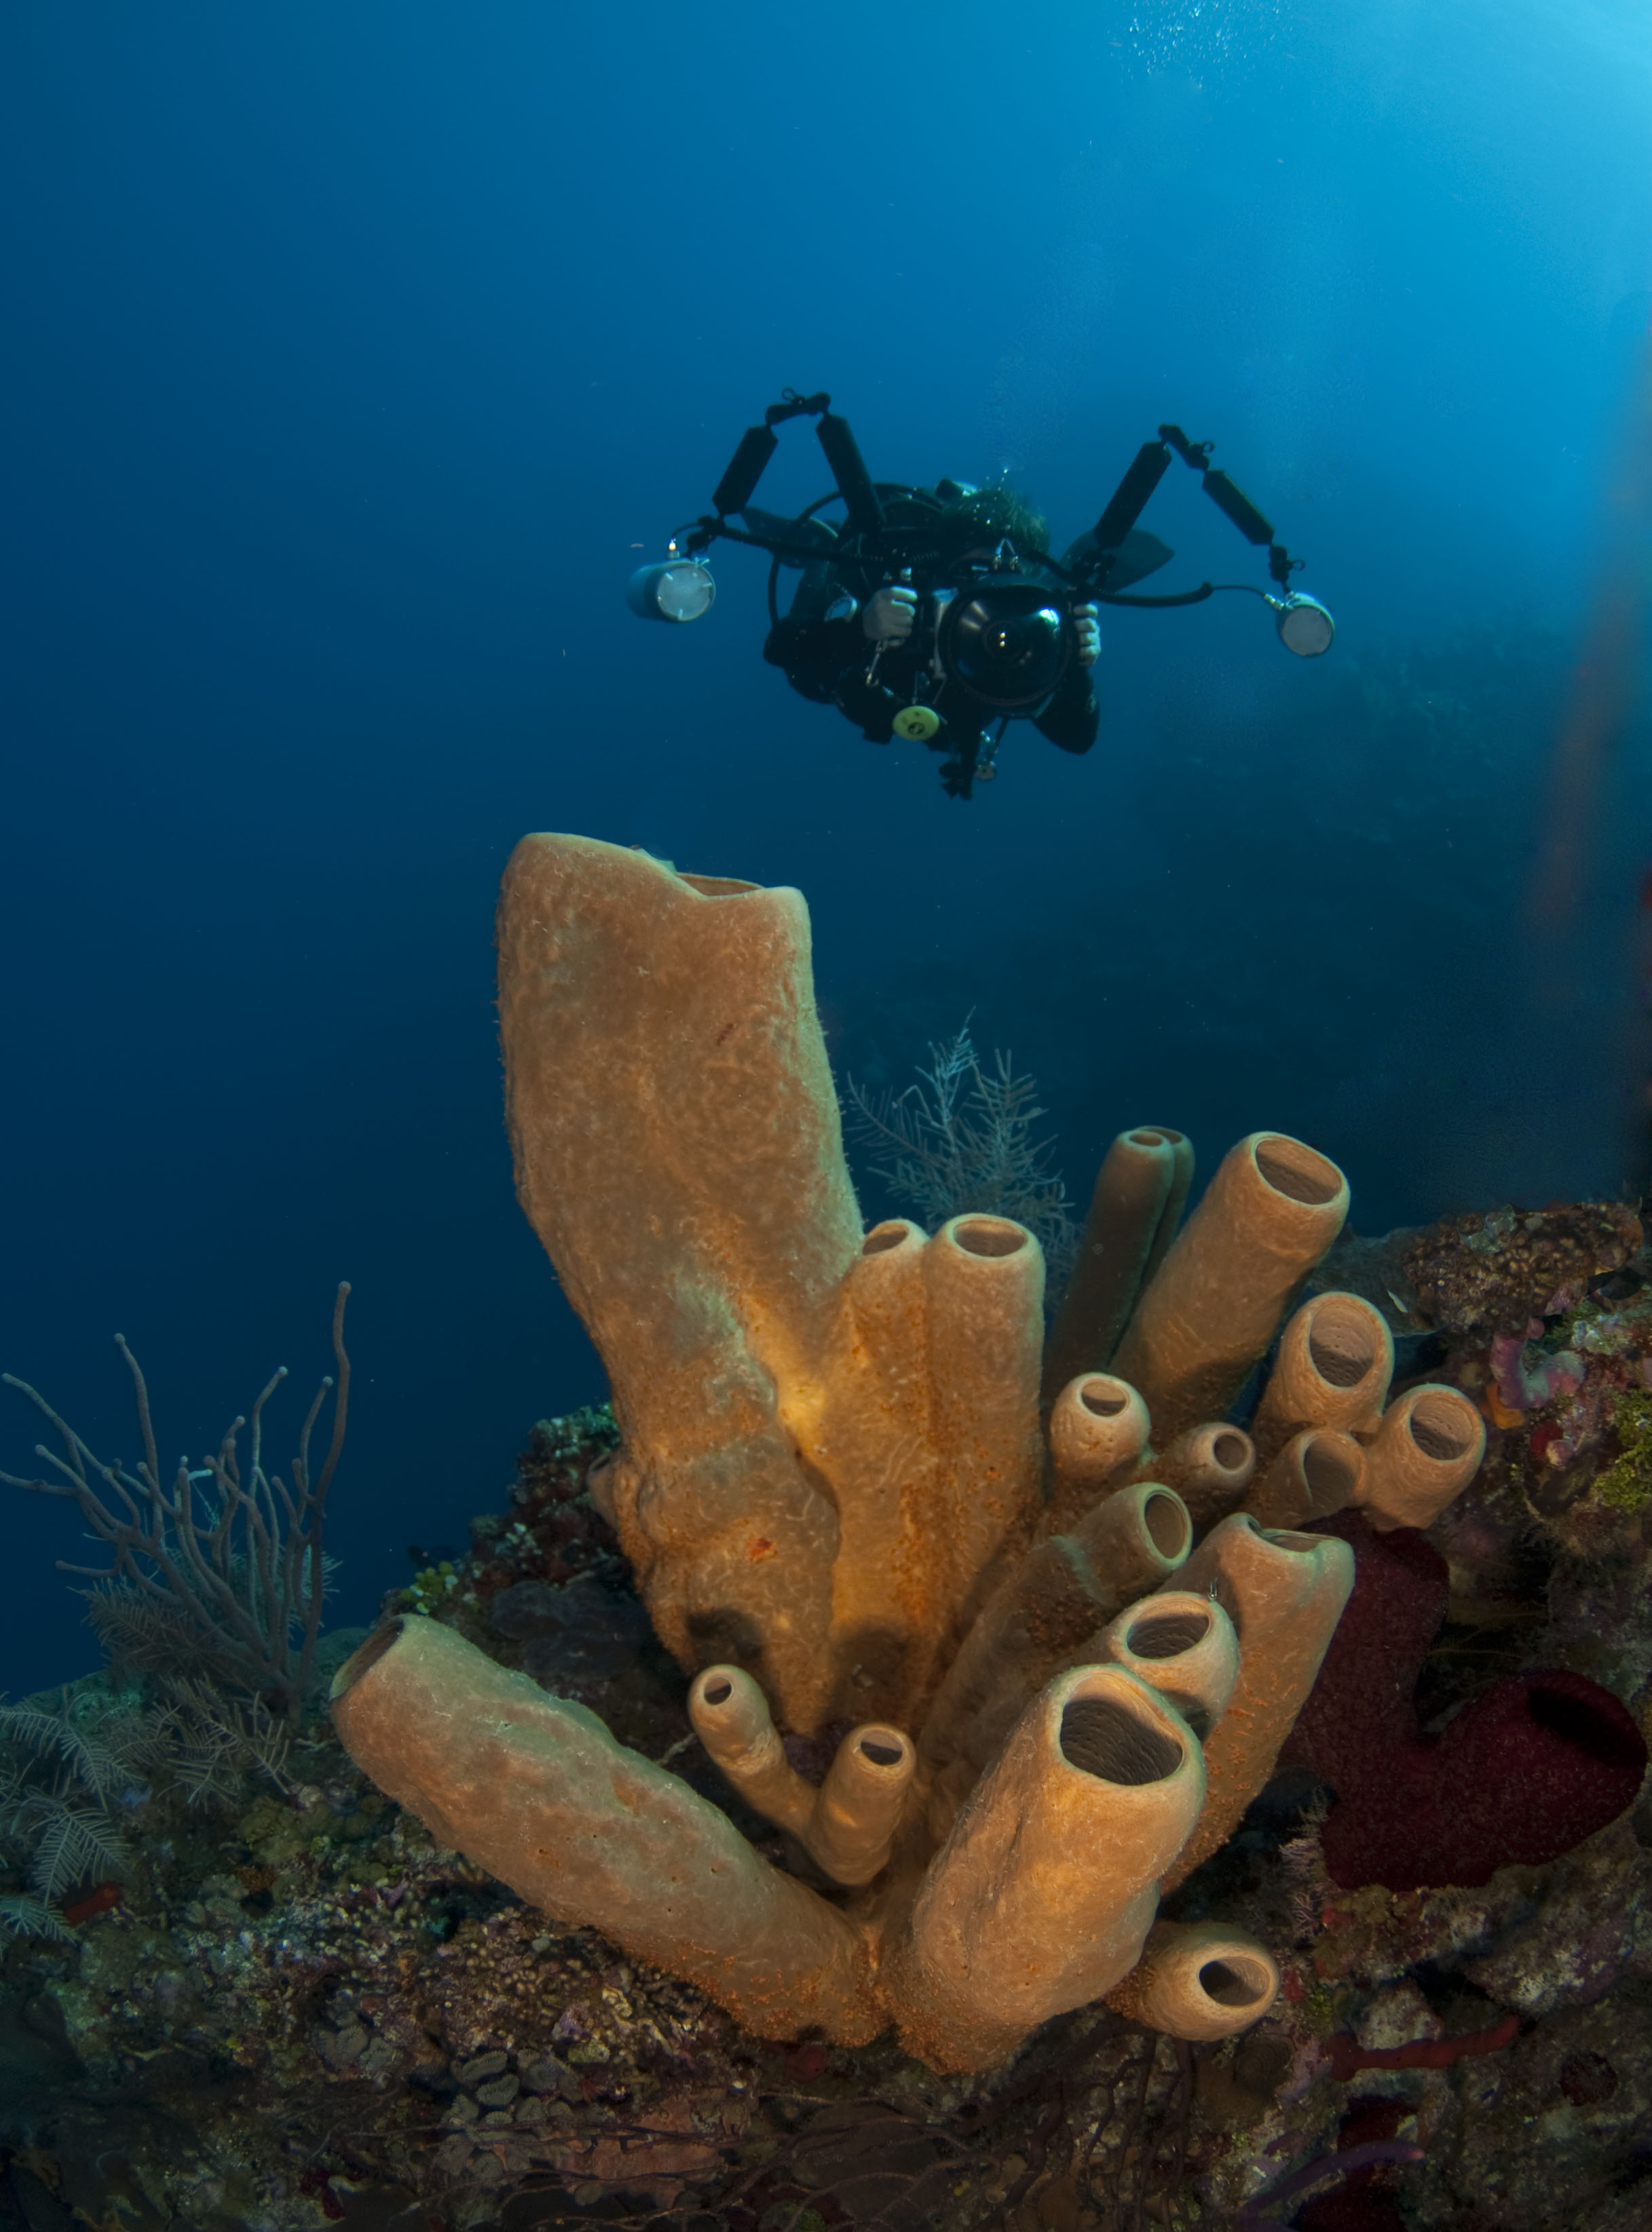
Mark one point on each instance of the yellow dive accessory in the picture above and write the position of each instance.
(917, 724)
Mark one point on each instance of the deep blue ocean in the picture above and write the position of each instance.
(354, 356)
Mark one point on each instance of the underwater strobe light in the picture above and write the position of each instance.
(677, 589)
(1303, 624)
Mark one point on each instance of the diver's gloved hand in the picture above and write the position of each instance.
(887, 616)
(1087, 627)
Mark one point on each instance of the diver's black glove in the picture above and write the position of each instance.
(888, 617)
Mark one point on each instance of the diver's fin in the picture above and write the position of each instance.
(1138, 556)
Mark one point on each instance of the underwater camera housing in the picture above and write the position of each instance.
(1007, 642)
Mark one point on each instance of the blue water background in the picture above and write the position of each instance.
(353, 356)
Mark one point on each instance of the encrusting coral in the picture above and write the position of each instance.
(844, 1503)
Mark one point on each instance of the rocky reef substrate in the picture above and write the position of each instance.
(287, 2007)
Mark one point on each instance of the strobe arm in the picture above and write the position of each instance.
(758, 444)
(842, 452)
(1125, 506)
(1231, 502)
(1148, 468)
(738, 484)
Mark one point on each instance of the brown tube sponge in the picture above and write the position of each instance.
(1097, 1431)
(847, 1826)
(1044, 1894)
(926, 1430)
(1134, 1212)
(1425, 1449)
(828, 1439)
(1284, 1594)
(1052, 1606)
(537, 1791)
(677, 1150)
(858, 1809)
(1184, 1646)
(1198, 1980)
(1315, 1474)
(830, 1486)
(732, 1719)
(1210, 1467)
(984, 1290)
(1268, 1215)
(1335, 1362)
(872, 1439)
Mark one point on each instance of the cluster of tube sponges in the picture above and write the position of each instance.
(1062, 1608)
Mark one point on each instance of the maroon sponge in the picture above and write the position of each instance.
(1539, 1761)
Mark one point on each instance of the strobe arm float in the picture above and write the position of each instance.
(842, 453)
(1126, 504)
(758, 444)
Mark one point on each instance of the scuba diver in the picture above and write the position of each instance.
(979, 535)
(937, 615)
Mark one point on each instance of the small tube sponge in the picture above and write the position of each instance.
(1210, 1467)
(1269, 1214)
(1184, 1647)
(848, 1825)
(1057, 1602)
(732, 1719)
(1284, 1593)
(1335, 1362)
(1316, 1472)
(858, 1809)
(1426, 1449)
(875, 1405)
(1198, 1980)
(922, 1423)
(1097, 1431)
(1137, 1205)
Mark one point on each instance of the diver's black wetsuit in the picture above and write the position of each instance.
(826, 660)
